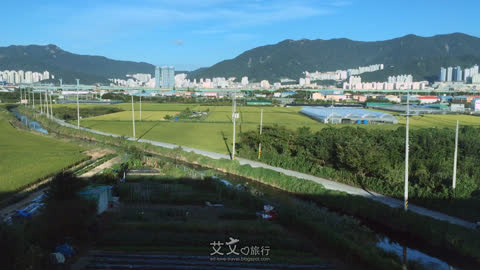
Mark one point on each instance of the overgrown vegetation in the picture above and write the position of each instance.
(69, 113)
(65, 218)
(374, 159)
(179, 210)
(94, 163)
(452, 238)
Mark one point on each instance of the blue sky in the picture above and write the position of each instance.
(191, 34)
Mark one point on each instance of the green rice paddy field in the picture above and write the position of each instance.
(26, 157)
(214, 133)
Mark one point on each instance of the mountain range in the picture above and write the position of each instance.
(420, 56)
(68, 66)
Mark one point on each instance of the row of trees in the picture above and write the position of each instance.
(374, 158)
(70, 113)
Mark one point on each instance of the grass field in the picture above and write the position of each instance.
(214, 133)
(27, 157)
(127, 115)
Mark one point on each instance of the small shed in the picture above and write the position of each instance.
(102, 195)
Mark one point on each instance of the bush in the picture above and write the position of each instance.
(66, 219)
(64, 186)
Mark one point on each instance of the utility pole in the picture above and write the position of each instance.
(21, 96)
(406, 153)
(51, 106)
(133, 119)
(46, 103)
(41, 105)
(78, 107)
(33, 99)
(455, 161)
(260, 143)
(234, 118)
(140, 108)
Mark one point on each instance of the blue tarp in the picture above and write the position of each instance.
(20, 213)
(30, 124)
(66, 250)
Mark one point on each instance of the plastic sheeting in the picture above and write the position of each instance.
(66, 250)
(28, 123)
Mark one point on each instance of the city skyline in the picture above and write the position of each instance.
(189, 35)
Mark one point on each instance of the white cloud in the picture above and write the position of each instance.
(178, 42)
(206, 17)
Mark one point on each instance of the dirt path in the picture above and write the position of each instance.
(102, 166)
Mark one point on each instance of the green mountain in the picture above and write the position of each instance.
(420, 56)
(68, 66)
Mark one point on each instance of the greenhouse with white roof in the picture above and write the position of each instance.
(348, 115)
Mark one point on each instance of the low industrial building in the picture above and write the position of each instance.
(101, 195)
(428, 99)
(457, 108)
(348, 115)
(475, 105)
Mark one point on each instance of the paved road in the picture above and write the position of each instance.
(328, 184)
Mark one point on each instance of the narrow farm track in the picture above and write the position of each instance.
(328, 184)
(102, 166)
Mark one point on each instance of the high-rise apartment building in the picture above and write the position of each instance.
(449, 74)
(474, 70)
(157, 77)
(244, 81)
(457, 74)
(168, 77)
(443, 74)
